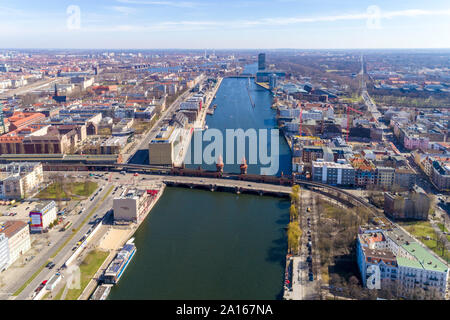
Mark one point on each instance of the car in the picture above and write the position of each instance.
(309, 259)
(311, 278)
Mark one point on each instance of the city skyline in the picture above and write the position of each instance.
(139, 24)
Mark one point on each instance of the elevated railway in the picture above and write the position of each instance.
(214, 180)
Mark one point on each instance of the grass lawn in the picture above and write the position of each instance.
(68, 190)
(88, 268)
(59, 294)
(423, 229)
(420, 229)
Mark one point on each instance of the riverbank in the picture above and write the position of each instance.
(199, 124)
(113, 241)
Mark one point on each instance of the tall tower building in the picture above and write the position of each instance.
(261, 61)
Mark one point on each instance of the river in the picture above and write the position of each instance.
(211, 245)
(214, 246)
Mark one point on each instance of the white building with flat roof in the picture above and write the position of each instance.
(42, 216)
(4, 252)
(132, 205)
(18, 235)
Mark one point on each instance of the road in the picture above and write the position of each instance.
(151, 134)
(66, 251)
(365, 95)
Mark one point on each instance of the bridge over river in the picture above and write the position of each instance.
(216, 181)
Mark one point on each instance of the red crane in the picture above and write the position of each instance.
(348, 119)
(301, 115)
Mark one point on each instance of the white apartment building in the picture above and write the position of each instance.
(42, 216)
(18, 180)
(18, 235)
(400, 260)
(4, 252)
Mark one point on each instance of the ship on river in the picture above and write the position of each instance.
(115, 270)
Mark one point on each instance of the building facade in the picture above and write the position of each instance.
(333, 173)
(389, 258)
(42, 216)
(4, 252)
(18, 235)
(132, 205)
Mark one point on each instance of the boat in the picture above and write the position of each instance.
(117, 267)
(101, 293)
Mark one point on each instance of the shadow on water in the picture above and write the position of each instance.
(277, 254)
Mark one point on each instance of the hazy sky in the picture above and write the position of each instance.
(218, 24)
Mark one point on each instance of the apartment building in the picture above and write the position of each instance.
(391, 258)
(19, 179)
(4, 252)
(407, 205)
(333, 173)
(385, 177)
(18, 235)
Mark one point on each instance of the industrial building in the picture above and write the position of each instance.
(131, 206)
(165, 148)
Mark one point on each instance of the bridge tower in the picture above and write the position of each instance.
(243, 166)
(219, 164)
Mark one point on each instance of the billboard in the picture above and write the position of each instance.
(36, 221)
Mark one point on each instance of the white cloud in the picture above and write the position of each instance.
(181, 4)
(123, 10)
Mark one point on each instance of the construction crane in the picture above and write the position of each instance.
(348, 119)
(301, 120)
(2, 120)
